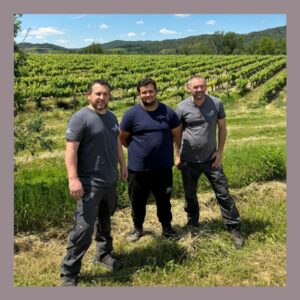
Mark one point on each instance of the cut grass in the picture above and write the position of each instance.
(208, 259)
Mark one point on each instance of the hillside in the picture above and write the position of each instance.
(201, 44)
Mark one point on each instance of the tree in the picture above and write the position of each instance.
(232, 43)
(94, 48)
(280, 46)
(217, 41)
(20, 59)
(264, 45)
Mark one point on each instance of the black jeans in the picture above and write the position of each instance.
(94, 210)
(140, 184)
(191, 173)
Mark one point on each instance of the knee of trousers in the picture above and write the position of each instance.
(82, 233)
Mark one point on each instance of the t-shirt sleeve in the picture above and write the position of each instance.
(174, 120)
(126, 123)
(75, 129)
(178, 112)
(221, 114)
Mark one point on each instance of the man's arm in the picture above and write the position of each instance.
(121, 159)
(222, 132)
(75, 186)
(176, 134)
(123, 137)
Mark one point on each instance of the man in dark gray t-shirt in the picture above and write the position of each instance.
(200, 116)
(93, 150)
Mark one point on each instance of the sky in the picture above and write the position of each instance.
(80, 30)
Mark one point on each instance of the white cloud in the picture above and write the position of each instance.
(182, 15)
(88, 40)
(143, 33)
(104, 26)
(190, 30)
(167, 31)
(61, 41)
(139, 22)
(39, 37)
(210, 22)
(131, 34)
(45, 31)
(79, 17)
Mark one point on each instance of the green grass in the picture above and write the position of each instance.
(255, 153)
(207, 259)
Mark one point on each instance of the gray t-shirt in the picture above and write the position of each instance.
(98, 149)
(199, 128)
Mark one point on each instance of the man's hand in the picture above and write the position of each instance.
(124, 172)
(75, 188)
(178, 162)
(218, 160)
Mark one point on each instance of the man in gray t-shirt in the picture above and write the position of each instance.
(93, 150)
(200, 116)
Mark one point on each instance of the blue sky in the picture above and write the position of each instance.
(80, 30)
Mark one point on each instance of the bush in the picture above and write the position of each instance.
(31, 135)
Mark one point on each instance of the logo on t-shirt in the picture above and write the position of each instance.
(160, 117)
(68, 131)
(115, 128)
(211, 113)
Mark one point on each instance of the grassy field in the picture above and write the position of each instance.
(207, 259)
(255, 165)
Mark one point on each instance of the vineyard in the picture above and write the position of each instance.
(65, 76)
(253, 90)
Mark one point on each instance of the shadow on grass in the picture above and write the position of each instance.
(216, 227)
(159, 253)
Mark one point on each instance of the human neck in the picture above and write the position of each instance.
(150, 108)
(100, 112)
(198, 101)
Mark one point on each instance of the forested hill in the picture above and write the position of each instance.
(270, 41)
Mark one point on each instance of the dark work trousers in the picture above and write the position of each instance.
(191, 173)
(140, 184)
(94, 210)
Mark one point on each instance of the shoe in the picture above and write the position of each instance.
(169, 232)
(109, 262)
(193, 229)
(68, 281)
(238, 240)
(134, 235)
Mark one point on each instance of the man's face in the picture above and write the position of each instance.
(197, 87)
(99, 97)
(148, 94)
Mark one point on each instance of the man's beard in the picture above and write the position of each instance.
(199, 96)
(146, 103)
(101, 106)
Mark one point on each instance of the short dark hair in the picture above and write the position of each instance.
(195, 76)
(98, 81)
(144, 82)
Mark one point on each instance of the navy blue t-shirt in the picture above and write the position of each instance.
(150, 143)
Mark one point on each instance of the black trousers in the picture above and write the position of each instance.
(191, 173)
(94, 210)
(140, 184)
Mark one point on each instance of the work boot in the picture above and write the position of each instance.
(68, 281)
(109, 262)
(193, 229)
(135, 235)
(238, 240)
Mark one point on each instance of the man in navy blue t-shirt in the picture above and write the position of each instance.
(148, 130)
